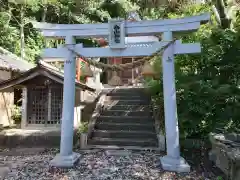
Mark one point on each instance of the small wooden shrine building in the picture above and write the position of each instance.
(42, 96)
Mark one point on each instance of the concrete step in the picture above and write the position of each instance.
(126, 102)
(128, 107)
(126, 113)
(126, 119)
(123, 142)
(125, 134)
(128, 94)
(114, 147)
(128, 90)
(127, 97)
(124, 126)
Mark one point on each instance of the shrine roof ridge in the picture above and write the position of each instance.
(42, 69)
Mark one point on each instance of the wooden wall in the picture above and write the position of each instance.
(6, 101)
(40, 81)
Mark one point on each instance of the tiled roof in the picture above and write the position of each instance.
(60, 73)
(44, 69)
(9, 61)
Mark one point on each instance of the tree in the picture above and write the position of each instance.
(225, 12)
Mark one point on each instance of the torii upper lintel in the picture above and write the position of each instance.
(141, 28)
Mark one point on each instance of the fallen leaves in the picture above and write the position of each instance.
(94, 165)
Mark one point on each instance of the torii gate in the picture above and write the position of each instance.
(168, 28)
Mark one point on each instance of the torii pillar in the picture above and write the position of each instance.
(67, 158)
(172, 161)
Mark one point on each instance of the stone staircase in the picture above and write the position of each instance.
(125, 122)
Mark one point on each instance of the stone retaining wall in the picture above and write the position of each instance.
(194, 143)
(12, 138)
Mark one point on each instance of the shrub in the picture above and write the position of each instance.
(207, 85)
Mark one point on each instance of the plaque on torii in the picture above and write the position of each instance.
(117, 34)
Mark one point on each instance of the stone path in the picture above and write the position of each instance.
(94, 165)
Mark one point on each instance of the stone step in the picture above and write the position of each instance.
(114, 147)
(125, 134)
(124, 126)
(125, 119)
(128, 107)
(123, 142)
(132, 92)
(128, 90)
(126, 113)
(126, 97)
(128, 94)
(126, 102)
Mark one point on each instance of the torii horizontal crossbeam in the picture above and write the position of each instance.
(141, 28)
(132, 51)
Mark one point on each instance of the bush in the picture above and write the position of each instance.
(16, 114)
(83, 128)
(207, 85)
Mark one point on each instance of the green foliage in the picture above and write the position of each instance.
(83, 128)
(209, 90)
(8, 34)
(208, 83)
(16, 114)
(17, 13)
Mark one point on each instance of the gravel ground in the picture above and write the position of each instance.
(94, 165)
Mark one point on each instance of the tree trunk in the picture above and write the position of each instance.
(22, 31)
(225, 21)
(44, 13)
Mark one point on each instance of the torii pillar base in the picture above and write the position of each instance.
(174, 164)
(69, 161)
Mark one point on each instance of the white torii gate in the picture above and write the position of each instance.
(168, 28)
